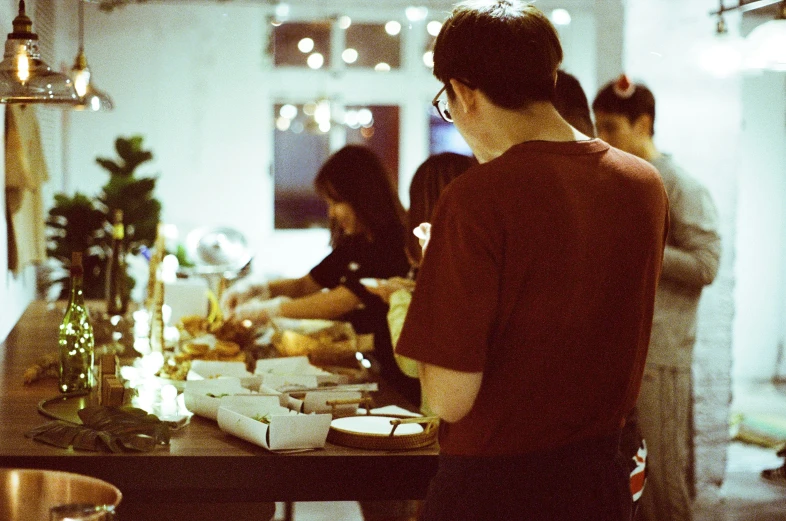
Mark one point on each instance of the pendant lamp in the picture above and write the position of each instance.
(90, 97)
(24, 77)
(767, 44)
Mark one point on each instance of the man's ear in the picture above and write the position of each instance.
(643, 125)
(466, 97)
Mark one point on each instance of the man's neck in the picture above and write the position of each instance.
(505, 128)
(648, 151)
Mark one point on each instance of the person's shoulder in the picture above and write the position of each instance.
(673, 173)
(632, 164)
(472, 179)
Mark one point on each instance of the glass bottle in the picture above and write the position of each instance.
(76, 341)
(116, 272)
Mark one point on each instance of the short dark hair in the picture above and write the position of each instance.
(631, 100)
(570, 100)
(506, 48)
(355, 175)
(430, 179)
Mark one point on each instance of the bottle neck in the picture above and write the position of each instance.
(77, 294)
(118, 232)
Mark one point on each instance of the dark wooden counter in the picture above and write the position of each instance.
(202, 463)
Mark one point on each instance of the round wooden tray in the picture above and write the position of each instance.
(355, 431)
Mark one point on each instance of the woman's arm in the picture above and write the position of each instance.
(294, 288)
(326, 304)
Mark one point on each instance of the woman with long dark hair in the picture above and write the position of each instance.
(367, 236)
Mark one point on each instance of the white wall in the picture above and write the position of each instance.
(761, 247)
(189, 80)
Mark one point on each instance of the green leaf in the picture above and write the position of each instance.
(114, 168)
(113, 429)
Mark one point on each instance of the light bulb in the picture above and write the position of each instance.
(81, 81)
(22, 64)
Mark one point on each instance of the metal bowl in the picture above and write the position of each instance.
(30, 494)
(218, 250)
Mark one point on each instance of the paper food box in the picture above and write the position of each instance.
(207, 369)
(263, 421)
(302, 380)
(294, 372)
(344, 403)
(203, 397)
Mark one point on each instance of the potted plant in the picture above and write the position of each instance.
(82, 223)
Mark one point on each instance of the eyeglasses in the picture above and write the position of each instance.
(441, 106)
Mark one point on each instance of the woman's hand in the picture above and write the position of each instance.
(386, 287)
(243, 291)
(423, 233)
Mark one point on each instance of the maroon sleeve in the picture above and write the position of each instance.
(453, 308)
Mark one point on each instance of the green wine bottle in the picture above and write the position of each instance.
(116, 272)
(76, 341)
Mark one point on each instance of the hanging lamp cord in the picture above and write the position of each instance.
(81, 25)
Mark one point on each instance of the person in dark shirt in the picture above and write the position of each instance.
(367, 236)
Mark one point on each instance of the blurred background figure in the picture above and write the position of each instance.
(625, 118)
(571, 103)
(430, 179)
(367, 236)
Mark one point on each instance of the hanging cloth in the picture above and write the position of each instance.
(25, 174)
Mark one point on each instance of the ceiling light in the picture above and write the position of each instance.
(428, 59)
(349, 55)
(722, 54)
(416, 14)
(90, 97)
(767, 44)
(560, 17)
(393, 28)
(288, 111)
(24, 77)
(315, 60)
(305, 45)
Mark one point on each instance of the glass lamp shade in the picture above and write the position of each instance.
(88, 96)
(767, 46)
(25, 78)
(722, 55)
(95, 100)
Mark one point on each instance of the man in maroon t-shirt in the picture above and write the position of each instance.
(533, 309)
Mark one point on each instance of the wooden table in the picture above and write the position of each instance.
(202, 464)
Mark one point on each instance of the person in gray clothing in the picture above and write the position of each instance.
(624, 118)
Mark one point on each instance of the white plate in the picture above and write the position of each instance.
(374, 425)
